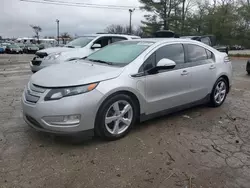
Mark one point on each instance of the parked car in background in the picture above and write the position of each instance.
(4, 45)
(30, 48)
(209, 40)
(21, 45)
(13, 49)
(2, 50)
(43, 46)
(237, 47)
(75, 49)
(108, 91)
(248, 67)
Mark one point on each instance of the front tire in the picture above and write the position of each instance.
(116, 117)
(219, 92)
(248, 72)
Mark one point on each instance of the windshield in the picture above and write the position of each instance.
(121, 53)
(80, 42)
(20, 45)
(13, 46)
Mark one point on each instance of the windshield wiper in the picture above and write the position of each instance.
(70, 46)
(100, 61)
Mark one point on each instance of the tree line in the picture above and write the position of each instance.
(228, 20)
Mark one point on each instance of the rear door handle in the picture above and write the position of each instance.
(212, 67)
(185, 72)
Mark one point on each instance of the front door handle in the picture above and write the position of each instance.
(185, 72)
(212, 67)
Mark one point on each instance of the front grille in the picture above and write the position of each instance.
(33, 121)
(41, 54)
(35, 62)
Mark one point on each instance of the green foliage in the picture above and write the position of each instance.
(228, 20)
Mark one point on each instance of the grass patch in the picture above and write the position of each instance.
(240, 55)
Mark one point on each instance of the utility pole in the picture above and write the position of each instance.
(130, 20)
(57, 21)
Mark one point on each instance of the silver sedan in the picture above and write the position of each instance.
(107, 92)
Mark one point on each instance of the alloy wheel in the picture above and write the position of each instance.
(220, 92)
(118, 117)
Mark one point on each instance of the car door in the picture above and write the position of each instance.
(203, 70)
(167, 88)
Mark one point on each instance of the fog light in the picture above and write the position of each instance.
(68, 120)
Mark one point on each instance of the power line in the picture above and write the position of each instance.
(90, 4)
(71, 4)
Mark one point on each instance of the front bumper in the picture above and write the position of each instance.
(39, 63)
(85, 105)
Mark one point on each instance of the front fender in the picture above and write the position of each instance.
(108, 89)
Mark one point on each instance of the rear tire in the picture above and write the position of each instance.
(219, 92)
(116, 117)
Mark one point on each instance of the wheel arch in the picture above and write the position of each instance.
(137, 99)
(227, 80)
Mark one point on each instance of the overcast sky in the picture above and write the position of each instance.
(17, 16)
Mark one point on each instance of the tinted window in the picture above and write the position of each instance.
(174, 52)
(206, 40)
(149, 63)
(104, 41)
(117, 39)
(196, 53)
(209, 54)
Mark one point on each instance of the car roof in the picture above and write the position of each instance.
(164, 40)
(108, 34)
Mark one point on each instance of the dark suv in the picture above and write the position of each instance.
(207, 39)
(248, 67)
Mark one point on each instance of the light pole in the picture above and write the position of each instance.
(57, 21)
(130, 20)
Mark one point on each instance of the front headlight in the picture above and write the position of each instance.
(56, 94)
(53, 56)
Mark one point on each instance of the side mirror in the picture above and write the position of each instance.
(165, 64)
(95, 46)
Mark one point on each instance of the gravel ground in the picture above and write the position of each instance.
(200, 147)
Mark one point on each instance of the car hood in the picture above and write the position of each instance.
(56, 50)
(74, 73)
(76, 53)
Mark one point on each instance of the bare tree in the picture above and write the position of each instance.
(64, 36)
(120, 29)
(37, 29)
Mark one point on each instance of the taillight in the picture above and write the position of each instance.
(226, 59)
